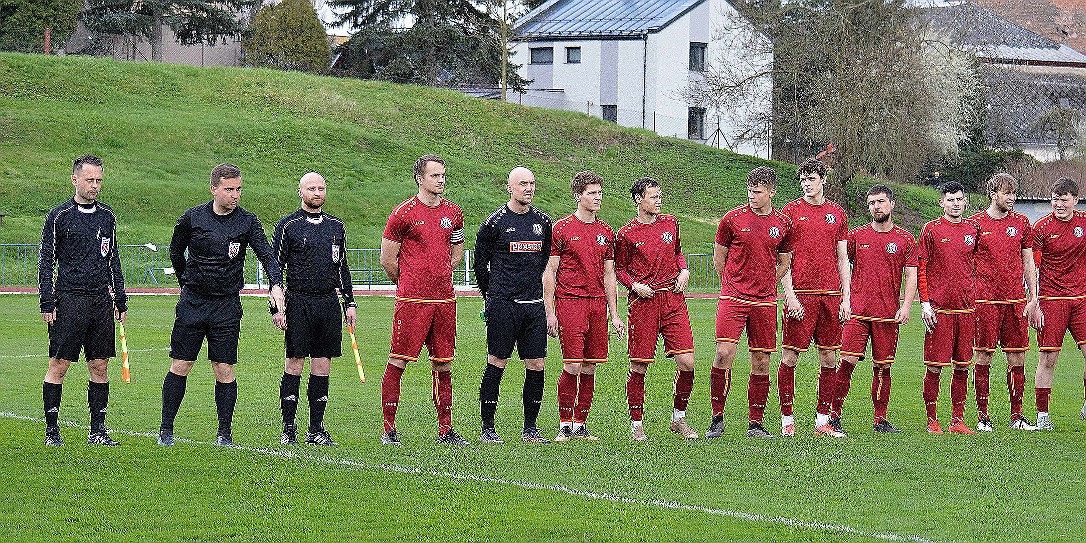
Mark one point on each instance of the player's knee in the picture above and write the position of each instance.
(441, 367)
(224, 373)
(639, 367)
(97, 370)
(498, 362)
(535, 364)
(58, 368)
(685, 362)
(294, 366)
(181, 367)
(320, 366)
(572, 368)
(789, 357)
(759, 363)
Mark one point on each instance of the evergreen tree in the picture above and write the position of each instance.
(192, 21)
(287, 36)
(23, 23)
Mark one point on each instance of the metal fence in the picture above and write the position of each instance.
(146, 266)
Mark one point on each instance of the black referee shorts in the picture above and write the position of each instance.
(314, 326)
(83, 322)
(217, 318)
(510, 323)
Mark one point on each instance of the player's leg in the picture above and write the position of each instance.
(595, 352)
(990, 321)
(731, 318)
(854, 340)
(827, 339)
(226, 399)
(1050, 341)
(502, 329)
(65, 340)
(635, 397)
(883, 350)
(224, 332)
(964, 332)
(645, 323)
(100, 345)
(573, 329)
(796, 338)
(1014, 338)
(186, 338)
(441, 344)
(762, 341)
(1077, 325)
(316, 393)
(679, 343)
(289, 391)
(410, 324)
(532, 348)
(938, 351)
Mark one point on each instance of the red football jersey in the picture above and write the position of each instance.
(1060, 250)
(649, 253)
(878, 261)
(999, 275)
(426, 236)
(753, 242)
(582, 248)
(816, 229)
(948, 250)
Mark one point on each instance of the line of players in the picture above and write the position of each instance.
(976, 277)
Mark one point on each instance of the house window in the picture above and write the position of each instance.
(573, 55)
(610, 113)
(697, 56)
(542, 55)
(695, 123)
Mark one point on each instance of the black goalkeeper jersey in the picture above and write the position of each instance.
(79, 243)
(511, 252)
(312, 250)
(214, 264)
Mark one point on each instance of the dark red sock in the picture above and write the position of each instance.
(959, 392)
(390, 395)
(786, 387)
(567, 396)
(931, 394)
(443, 400)
(1016, 385)
(585, 387)
(720, 382)
(840, 390)
(982, 386)
(635, 395)
(1042, 398)
(880, 392)
(827, 381)
(757, 396)
(684, 383)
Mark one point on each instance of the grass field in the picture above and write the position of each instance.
(910, 487)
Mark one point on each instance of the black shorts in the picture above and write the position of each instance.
(83, 322)
(217, 318)
(509, 323)
(314, 326)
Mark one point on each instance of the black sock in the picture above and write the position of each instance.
(50, 394)
(488, 394)
(317, 393)
(288, 396)
(173, 391)
(226, 397)
(532, 396)
(97, 400)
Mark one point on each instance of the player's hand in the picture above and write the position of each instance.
(120, 315)
(280, 320)
(49, 318)
(552, 324)
(278, 297)
(928, 314)
(681, 281)
(619, 326)
(845, 312)
(1036, 317)
(351, 316)
(793, 308)
(902, 316)
(642, 290)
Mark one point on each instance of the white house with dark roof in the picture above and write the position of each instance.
(632, 63)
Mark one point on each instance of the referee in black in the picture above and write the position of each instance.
(511, 252)
(208, 255)
(310, 246)
(79, 244)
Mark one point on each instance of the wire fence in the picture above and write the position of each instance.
(148, 265)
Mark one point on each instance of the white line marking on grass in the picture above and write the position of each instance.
(528, 485)
(46, 355)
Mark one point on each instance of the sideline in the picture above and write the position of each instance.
(527, 485)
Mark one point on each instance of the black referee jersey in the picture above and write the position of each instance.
(311, 249)
(215, 261)
(511, 253)
(79, 241)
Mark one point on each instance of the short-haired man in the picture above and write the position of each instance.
(311, 247)
(79, 250)
(1059, 249)
(752, 252)
(815, 306)
(511, 253)
(948, 247)
(423, 242)
(881, 253)
(1004, 269)
(649, 262)
(207, 251)
(579, 290)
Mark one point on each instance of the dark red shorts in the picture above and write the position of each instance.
(883, 335)
(1001, 325)
(821, 322)
(1061, 316)
(951, 341)
(759, 319)
(664, 314)
(418, 323)
(582, 329)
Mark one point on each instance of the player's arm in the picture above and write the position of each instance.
(1033, 306)
(720, 259)
(792, 307)
(258, 240)
(346, 285)
(456, 239)
(784, 263)
(550, 275)
(623, 256)
(844, 269)
(390, 259)
(279, 244)
(610, 286)
(46, 266)
(926, 248)
(179, 242)
(903, 312)
(683, 278)
(116, 275)
(484, 251)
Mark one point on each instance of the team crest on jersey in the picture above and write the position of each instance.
(831, 218)
(233, 249)
(891, 248)
(104, 247)
(1012, 231)
(1078, 231)
(774, 232)
(601, 239)
(446, 223)
(335, 253)
(969, 240)
(537, 229)
(667, 237)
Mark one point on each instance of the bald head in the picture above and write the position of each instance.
(312, 190)
(521, 188)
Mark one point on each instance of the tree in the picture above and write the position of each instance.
(192, 21)
(23, 23)
(287, 36)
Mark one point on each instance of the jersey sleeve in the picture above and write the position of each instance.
(911, 257)
(557, 241)
(182, 234)
(457, 235)
(116, 273)
(259, 242)
(609, 253)
(622, 260)
(346, 285)
(396, 227)
(842, 228)
(850, 247)
(484, 250)
(1027, 235)
(787, 236)
(680, 259)
(47, 264)
(927, 243)
(279, 244)
(724, 232)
